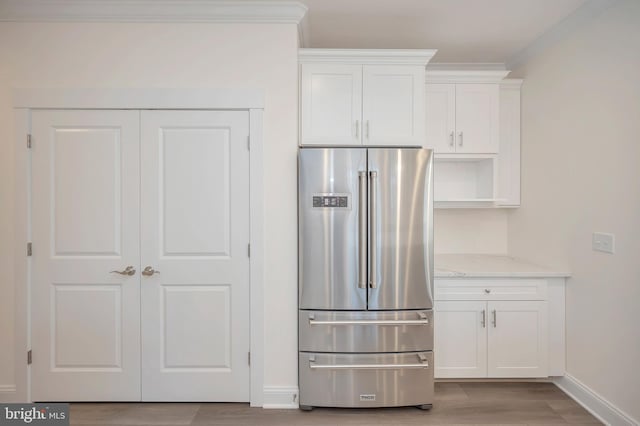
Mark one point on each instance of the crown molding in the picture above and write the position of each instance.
(464, 74)
(367, 56)
(511, 83)
(585, 13)
(214, 11)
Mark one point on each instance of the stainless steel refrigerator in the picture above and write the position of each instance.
(365, 277)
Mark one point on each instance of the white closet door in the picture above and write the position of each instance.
(85, 217)
(195, 233)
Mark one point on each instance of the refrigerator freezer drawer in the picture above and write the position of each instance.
(366, 380)
(365, 331)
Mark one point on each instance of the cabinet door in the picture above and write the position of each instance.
(460, 347)
(477, 127)
(393, 105)
(441, 117)
(331, 102)
(517, 339)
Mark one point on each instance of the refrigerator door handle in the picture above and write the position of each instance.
(367, 366)
(362, 230)
(373, 187)
(370, 322)
(423, 363)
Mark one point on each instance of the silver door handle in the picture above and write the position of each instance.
(373, 230)
(149, 271)
(368, 366)
(357, 129)
(460, 139)
(362, 225)
(484, 319)
(451, 138)
(495, 318)
(367, 124)
(370, 322)
(129, 270)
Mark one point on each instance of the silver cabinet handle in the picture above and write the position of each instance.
(484, 319)
(495, 320)
(373, 230)
(370, 322)
(357, 129)
(460, 139)
(362, 226)
(149, 271)
(129, 270)
(451, 138)
(367, 128)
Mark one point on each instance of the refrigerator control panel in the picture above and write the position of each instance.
(339, 201)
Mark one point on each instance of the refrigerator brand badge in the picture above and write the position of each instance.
(340, 201)
(368, 397)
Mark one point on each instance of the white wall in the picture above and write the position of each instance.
(54, 55)
(581, 173)
(482, 231)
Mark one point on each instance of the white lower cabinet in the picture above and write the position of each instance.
(517, 339)
(484, 338)
(460, 339)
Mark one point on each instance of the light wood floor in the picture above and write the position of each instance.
(455, 403)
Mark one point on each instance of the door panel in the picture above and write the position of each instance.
(85, 216)
(518, 339)
(394, 331)
(331, 97)
(328, 233)
(366, 380)
(393, 105)
(195, 205)
(400, 229)
(441, 117)
(460, 339)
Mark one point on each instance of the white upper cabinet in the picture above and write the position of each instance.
(362, 97)
(477, 118)
(393, 105)
(463, 118)
(441, 117)
(331, 101)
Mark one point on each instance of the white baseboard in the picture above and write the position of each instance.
(280, 397)
(605, 411)
(7, 393)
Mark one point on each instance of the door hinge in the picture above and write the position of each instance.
(28, 141)
(248, 250)
(29, 358)
(249, 143)
(249, 358)
(29, 249)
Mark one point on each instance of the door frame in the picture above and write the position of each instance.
(27, 100)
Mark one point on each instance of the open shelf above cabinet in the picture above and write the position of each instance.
(465, 182)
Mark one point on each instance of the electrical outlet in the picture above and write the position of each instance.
(604, 242)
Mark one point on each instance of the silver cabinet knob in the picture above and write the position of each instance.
(149, 271)
(129, 270)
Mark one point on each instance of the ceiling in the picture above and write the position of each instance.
(461, 30)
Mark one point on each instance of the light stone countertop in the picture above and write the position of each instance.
(484, 265)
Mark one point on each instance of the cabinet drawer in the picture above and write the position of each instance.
(366, 380)
(490, 289)
(372, 331)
